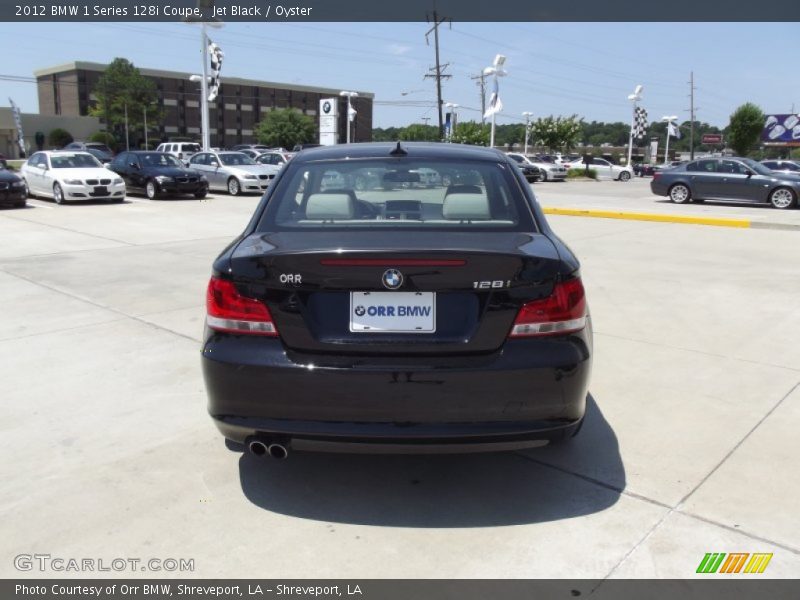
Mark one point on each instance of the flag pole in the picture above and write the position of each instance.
(204, 118)
(666, 150)
(634, 97)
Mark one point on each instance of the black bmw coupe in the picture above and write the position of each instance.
(401, 318)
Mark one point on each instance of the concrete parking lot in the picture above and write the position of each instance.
(690, 445)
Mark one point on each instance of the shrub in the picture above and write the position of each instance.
(59, 138)
(577, 173)
(103, 137)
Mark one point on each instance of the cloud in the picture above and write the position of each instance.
(398, 49)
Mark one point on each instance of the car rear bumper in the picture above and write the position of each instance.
(659, 188)
(528, 393)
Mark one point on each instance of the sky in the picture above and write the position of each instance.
(587, 69)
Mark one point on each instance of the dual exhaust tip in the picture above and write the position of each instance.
(276, 450)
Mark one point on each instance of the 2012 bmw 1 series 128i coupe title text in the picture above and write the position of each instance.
(363, 309)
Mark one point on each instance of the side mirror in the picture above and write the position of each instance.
(134, 165)
(214, 163)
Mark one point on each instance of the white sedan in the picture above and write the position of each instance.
(549, 171)
(608, 170)
(67, 176)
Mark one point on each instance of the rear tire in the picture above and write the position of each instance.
(234, 189)
(680, 193)
(544, 175)
(782, 198)
(624, 176)
(28, 190)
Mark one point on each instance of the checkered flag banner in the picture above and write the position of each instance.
(216, 54)
(640, 123)
(18, 123)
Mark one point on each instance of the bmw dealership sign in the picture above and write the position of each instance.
(328, 121)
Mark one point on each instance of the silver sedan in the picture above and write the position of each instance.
(233, 172)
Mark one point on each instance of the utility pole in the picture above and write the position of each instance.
(691, 115)
(480, 81)
(437, 70)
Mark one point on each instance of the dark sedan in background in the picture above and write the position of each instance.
(12, 189)
(158, 174)
(727, 180)
(399, 318)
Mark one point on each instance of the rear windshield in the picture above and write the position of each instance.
(398, 194)
(190, 147)
(100, 147)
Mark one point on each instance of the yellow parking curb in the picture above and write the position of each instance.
(636, 216)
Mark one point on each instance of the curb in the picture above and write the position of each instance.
(661, 218)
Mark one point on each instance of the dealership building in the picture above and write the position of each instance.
(67, 90)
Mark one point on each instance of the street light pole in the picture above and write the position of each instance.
(350, 111)
(127, 139)
(634, 97)
(496, 70)
(669, 121)
(453, 119)
(527, 115)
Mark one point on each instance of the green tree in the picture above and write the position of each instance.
(285, 128)
(470, 132)
(122, 87)
(59, 138)
(557, 133)
(419, 133)
(746, 124)
(103, 137)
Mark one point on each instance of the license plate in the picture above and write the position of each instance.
(100, 190)
(393, 312)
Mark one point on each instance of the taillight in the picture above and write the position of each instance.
(563, 311)
(227, 310)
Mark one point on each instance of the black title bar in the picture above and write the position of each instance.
(401, 10)
(728, 588)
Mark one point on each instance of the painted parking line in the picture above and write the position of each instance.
(40, 204)
(637, 216)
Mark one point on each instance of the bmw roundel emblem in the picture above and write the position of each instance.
(392, 279)
(326, 107)
(360, 311)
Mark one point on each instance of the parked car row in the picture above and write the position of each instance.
(72, 175)
(547, 171)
